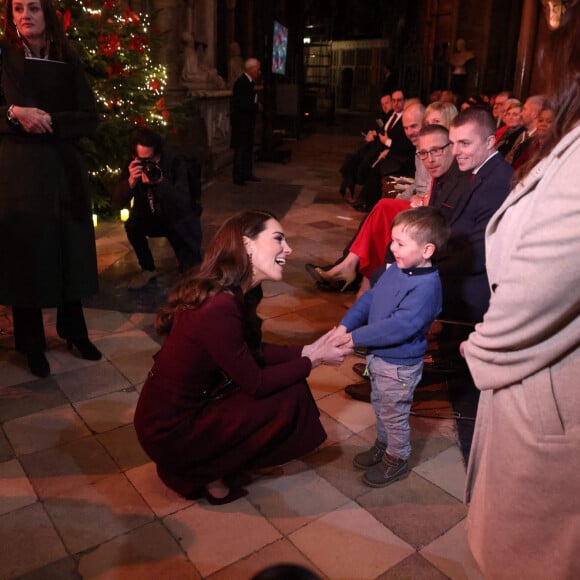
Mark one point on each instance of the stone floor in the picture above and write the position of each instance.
(79, 498)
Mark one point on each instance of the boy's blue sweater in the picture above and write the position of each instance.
(393, 317)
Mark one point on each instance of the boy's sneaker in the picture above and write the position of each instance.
(388, 470)
(370, 457)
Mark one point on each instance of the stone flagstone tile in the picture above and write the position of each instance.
(102, 322)
(162, 500)
(135, 366)
(325, 380)
(355, 415)
(216, 536)
(64, 569)
(124, 447)
(13, 370)
(15, 489)
(414, 509)
(295, 498)
(446, 470)
(29, 541)
(280, 303)
(450, 554)
(127, 343)
(334, 463)
(89, 382)
(88, 515)
(6, 452)
(45, 429)
(81, 462)
(62, 360)
(147, 553)
(24, 398)
(414, 567)
(335, 431)
(424, 449)
(276, 553)
(350, 543)
(109, 411)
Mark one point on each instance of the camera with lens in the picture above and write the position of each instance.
(151, 169)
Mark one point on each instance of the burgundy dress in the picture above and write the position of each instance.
(270, 419)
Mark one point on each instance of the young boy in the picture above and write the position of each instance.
(391, 320)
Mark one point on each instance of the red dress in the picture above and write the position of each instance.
(371, 242)
(272, 417)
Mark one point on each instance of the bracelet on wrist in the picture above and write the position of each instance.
(11, 117)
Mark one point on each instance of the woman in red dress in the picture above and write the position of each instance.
(218, 401)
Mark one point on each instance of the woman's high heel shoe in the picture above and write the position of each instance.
(37, 363)
(85, 347)
(233, 494)
(348, 278)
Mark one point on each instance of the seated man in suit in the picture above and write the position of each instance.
(465, 287)
(166, 194)
(396, 157)
(362, 159)
(524, 146)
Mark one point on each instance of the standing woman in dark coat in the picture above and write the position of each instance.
(218, 401)
(48, 255)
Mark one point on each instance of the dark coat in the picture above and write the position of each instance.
(177, 198)
(271, 418)
(47, 237)
(244, 108)
(401, 157)
(462, 269)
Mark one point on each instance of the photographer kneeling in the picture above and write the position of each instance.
(166, 192)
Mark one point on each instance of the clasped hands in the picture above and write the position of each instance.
(331, 348)
(33, 120)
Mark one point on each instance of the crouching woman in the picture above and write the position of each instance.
(218, 401)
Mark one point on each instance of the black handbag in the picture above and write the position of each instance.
(223, 386)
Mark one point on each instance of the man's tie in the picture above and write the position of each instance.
(391, 123)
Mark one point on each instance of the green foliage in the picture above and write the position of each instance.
(115, 45)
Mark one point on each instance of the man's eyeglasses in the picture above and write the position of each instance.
(435, 152)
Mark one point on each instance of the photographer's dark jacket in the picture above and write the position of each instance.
(47, 239)
(176, 199)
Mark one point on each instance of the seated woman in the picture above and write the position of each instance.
(507, 135)
(368, 250)
(218, 401)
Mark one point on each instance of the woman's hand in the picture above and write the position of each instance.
(330, 349)
(33, 120)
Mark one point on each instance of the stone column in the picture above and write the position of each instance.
(231, 22)
(168, 14)
(526, 48)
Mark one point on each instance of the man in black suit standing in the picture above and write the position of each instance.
(244, 107)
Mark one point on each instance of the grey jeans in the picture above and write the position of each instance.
(392, 395)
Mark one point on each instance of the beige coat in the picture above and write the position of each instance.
(524, 469)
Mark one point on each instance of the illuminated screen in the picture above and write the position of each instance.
(279, 48)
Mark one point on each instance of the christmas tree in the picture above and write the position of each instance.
(115, 45)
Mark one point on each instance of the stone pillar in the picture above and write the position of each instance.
(231, 22)
(526, 48)
(168, 14)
